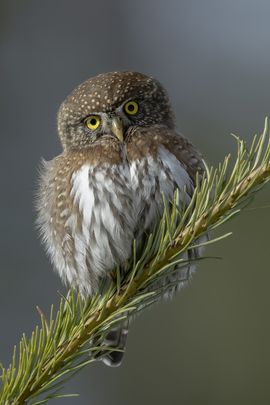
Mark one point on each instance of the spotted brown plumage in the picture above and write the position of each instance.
(106, 188)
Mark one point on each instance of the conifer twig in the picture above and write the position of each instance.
(59, 347)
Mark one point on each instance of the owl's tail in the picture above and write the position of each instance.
(116, 338)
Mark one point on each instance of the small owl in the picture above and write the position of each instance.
(121, 152)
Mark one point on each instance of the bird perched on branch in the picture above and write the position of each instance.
(121, 153)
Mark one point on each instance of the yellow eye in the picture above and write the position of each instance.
(93, 122)
(131, 107)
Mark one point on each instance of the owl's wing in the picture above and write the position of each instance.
(149, 139)
(185, 152)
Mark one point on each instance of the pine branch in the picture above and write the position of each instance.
(59, 347)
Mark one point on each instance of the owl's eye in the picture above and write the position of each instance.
(93, 122)
(131, 107)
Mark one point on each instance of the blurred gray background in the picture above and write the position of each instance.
(210, 345)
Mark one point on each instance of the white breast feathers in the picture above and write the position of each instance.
(114, 204)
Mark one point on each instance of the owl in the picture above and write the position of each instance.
(121, 153)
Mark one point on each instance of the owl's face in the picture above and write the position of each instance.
(107, 106)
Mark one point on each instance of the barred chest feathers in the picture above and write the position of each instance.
(110, 205)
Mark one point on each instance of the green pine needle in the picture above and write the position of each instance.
(59, 347)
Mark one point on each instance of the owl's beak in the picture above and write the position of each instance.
(117, 128)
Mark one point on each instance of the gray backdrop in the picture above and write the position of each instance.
(210, 345)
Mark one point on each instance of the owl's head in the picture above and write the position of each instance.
(108, 105)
